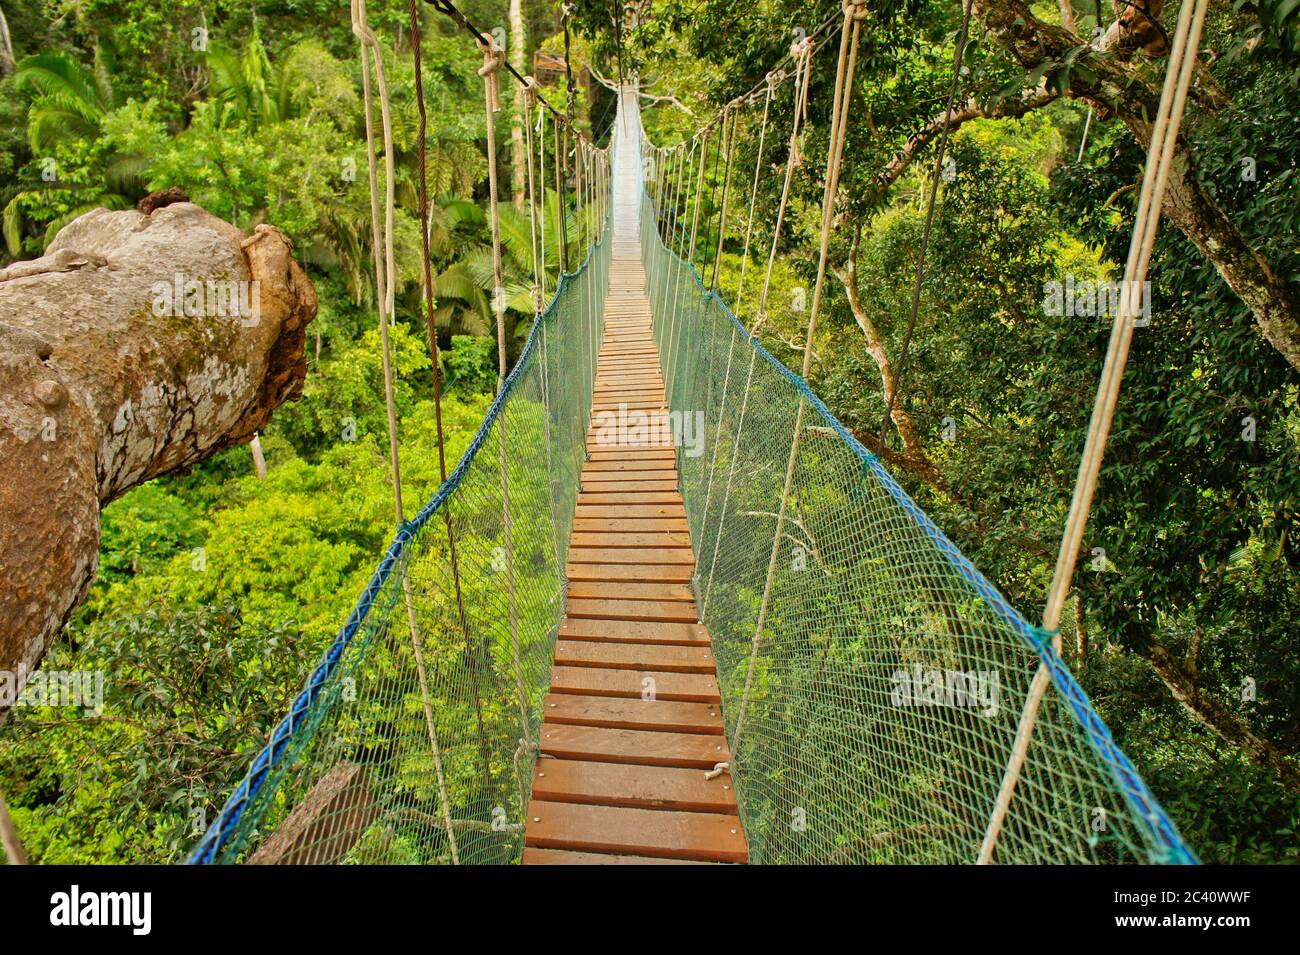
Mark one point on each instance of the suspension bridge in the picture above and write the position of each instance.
(667, 608)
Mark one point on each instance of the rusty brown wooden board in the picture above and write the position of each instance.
(633, 451)
(626, 487)
(566, 857)
(703, 836)
(638, 540)
(615, 477)
(635, 631)
(622, 525)
(618, 784)
(630, 589)
(611, 712)
(640, 747)
(605, 608)
(625, 511)
(655, 463)
(647, 555)
(634, 656)
(623, 574)
(602, 498)
(635, 684)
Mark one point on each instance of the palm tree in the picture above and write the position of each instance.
(69, 103)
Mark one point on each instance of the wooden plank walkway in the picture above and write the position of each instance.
(633, 720)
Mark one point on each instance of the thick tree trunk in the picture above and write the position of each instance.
(518, 153)
(1121, 89)
(138, 345)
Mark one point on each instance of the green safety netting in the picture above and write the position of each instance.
(889, 680)
(415, 738)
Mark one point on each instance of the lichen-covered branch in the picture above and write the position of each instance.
(140, 344)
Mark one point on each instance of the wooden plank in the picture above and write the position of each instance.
(664, 716)
(604, 608)
(642, 747)
(622, 525)
(600, 498)
(634, 656)
(651, 453)
(624, 487)
(612, 511)
(565, 857)
(635, 631)
(636, 684)
(649, 407)
(613, 477)
(631, 589)
(630, 463)
(644, 787)
(614, 380)
(632, 555)
(708, 837)
(608, 540)
(624, 574)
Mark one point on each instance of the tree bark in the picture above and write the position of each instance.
(108, 379)
(518, 153)
(1218, 718)
(1120, 89)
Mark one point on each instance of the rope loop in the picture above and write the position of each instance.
(855, 9)
(493, 59)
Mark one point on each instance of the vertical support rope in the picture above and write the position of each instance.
(673, 324)
(726, 194)
(802, 54)
(493, 57)
(1160, 157)
(538, 236)
(731, 346)
(562, 220)
(854, 12)
(471, 656)
(384, 282)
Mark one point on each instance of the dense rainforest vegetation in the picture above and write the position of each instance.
(217, 590)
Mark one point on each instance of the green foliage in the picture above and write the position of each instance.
(469, 366)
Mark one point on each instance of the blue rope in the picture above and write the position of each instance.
(302, 709)
(1139, 797)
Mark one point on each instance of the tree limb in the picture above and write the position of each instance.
(1007, 109)
(1120, 89)
(1217, 717)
